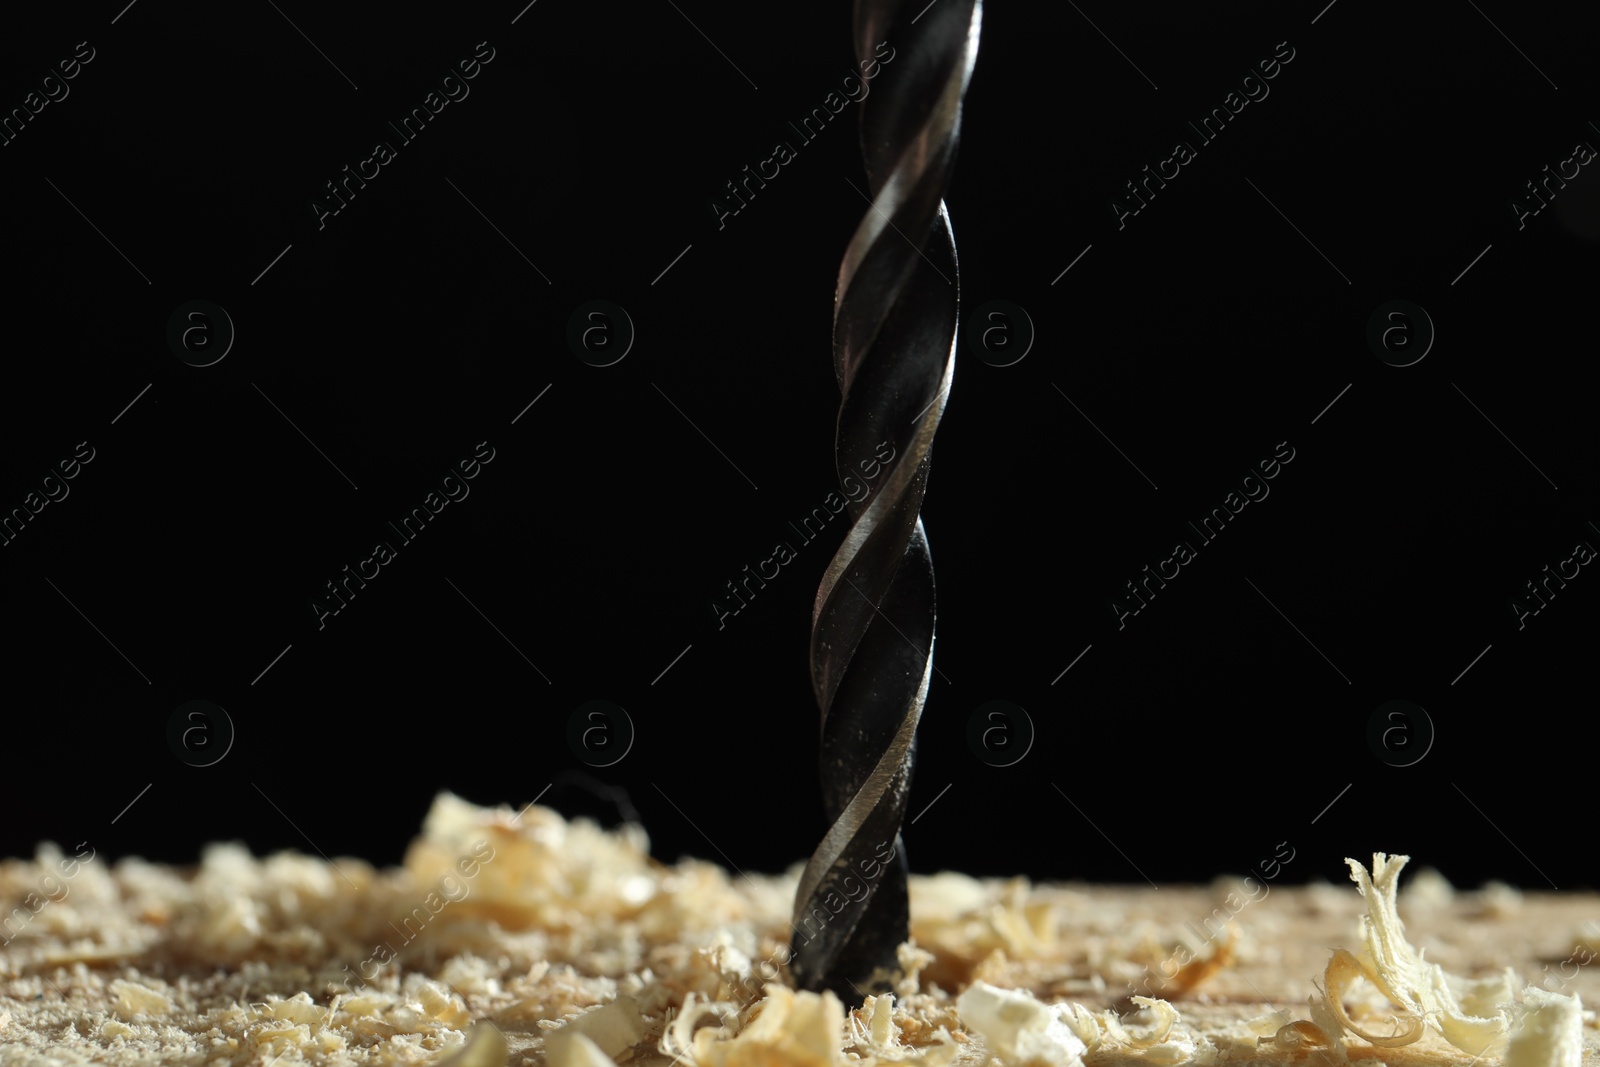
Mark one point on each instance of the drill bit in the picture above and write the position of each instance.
(872, 629)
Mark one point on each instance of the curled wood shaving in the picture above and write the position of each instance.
(1400, 972)
(1343, 969)
(1167, 1017)
(1298, 1033)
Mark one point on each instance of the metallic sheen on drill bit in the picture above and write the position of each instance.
(872, 631)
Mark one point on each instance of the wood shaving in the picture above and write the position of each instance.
(1474, 1015)
(1018, 1028)
(1551, 1034)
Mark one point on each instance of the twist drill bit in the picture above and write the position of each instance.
(872, 630)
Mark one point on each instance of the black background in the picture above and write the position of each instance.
(380, 349)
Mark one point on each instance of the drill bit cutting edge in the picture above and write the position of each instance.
(894, 332)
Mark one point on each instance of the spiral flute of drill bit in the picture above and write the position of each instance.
(872, 633)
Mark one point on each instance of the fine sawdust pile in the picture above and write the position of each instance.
(508, 940)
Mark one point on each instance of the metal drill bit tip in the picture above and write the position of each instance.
(872, 629)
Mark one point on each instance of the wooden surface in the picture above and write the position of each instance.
(248, 961)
